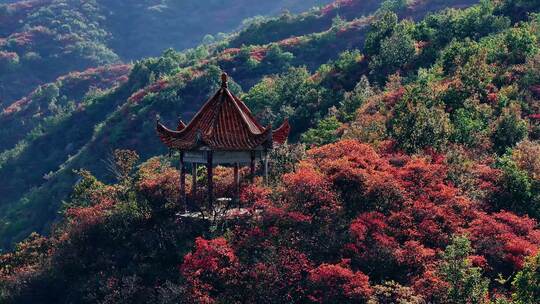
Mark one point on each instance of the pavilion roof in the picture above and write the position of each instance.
(223, 123)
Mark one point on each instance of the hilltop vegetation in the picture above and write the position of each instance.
(413, 174)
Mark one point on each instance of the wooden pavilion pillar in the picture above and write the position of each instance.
(193, 181)
(183, 199)
(265, 168)
(237, 183)
(252, 167)
(210, 170)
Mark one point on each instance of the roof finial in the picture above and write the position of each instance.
(224, 80)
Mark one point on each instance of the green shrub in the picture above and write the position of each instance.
(526, 284)
(510, 129)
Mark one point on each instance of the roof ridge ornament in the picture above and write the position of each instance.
(224, 80)
(181, 126)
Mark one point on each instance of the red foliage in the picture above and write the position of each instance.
(250, 241)
(258, 53)
(80, 219)
(360, 176)
(27, 5)
(213, 263)
(255, 195)
(159, 183)
(400, 212)
(209, 256)
(100, 78)
(273, 215)
(281, 279)
(415, 256)
(231, 51)
(338, 284)
(290, 41)
(330, 8)
(421, 178)
(487, 178)
(369, 230)
(505, 239)
(8, 55)
(372, 240)
(430, 286)
(493, 98)
(430, 223)
(224, 185)
(309, 193)
(25, 41)
(535, 116)
(478, 261)
(153, 88)
(392, 97)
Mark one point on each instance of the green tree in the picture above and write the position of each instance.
(148, 70)
(471, 123)
(521, 43)
(276, 60)
(285, 159)
(526, 284)
(208, 39)
(342, 74)
(324, 133)
(353, 100)
(47, 94)
(419, 122)
(381, 28)
(479, 21)
(416, 127)
(395, 53)
(85, 191)
(457, 53)
(8, 62)
(393, 5)
(510, 129)
(476, 76)
(518, 9)
(466, 284)
(290, 95)
(517, 189)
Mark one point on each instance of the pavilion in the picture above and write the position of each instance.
(223, 132)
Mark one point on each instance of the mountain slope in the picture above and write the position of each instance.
(421, 183)
(101, 127)
(41, 40)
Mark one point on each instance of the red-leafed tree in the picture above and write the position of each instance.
(505, 239)
(373, 247)
(280, 278)
(307, 191)
(338, 284)
(361, 177)
(210, 270)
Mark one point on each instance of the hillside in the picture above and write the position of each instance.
(73, 137)
(412, 174)
(41, 40)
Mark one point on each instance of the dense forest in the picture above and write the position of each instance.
(412, 173)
